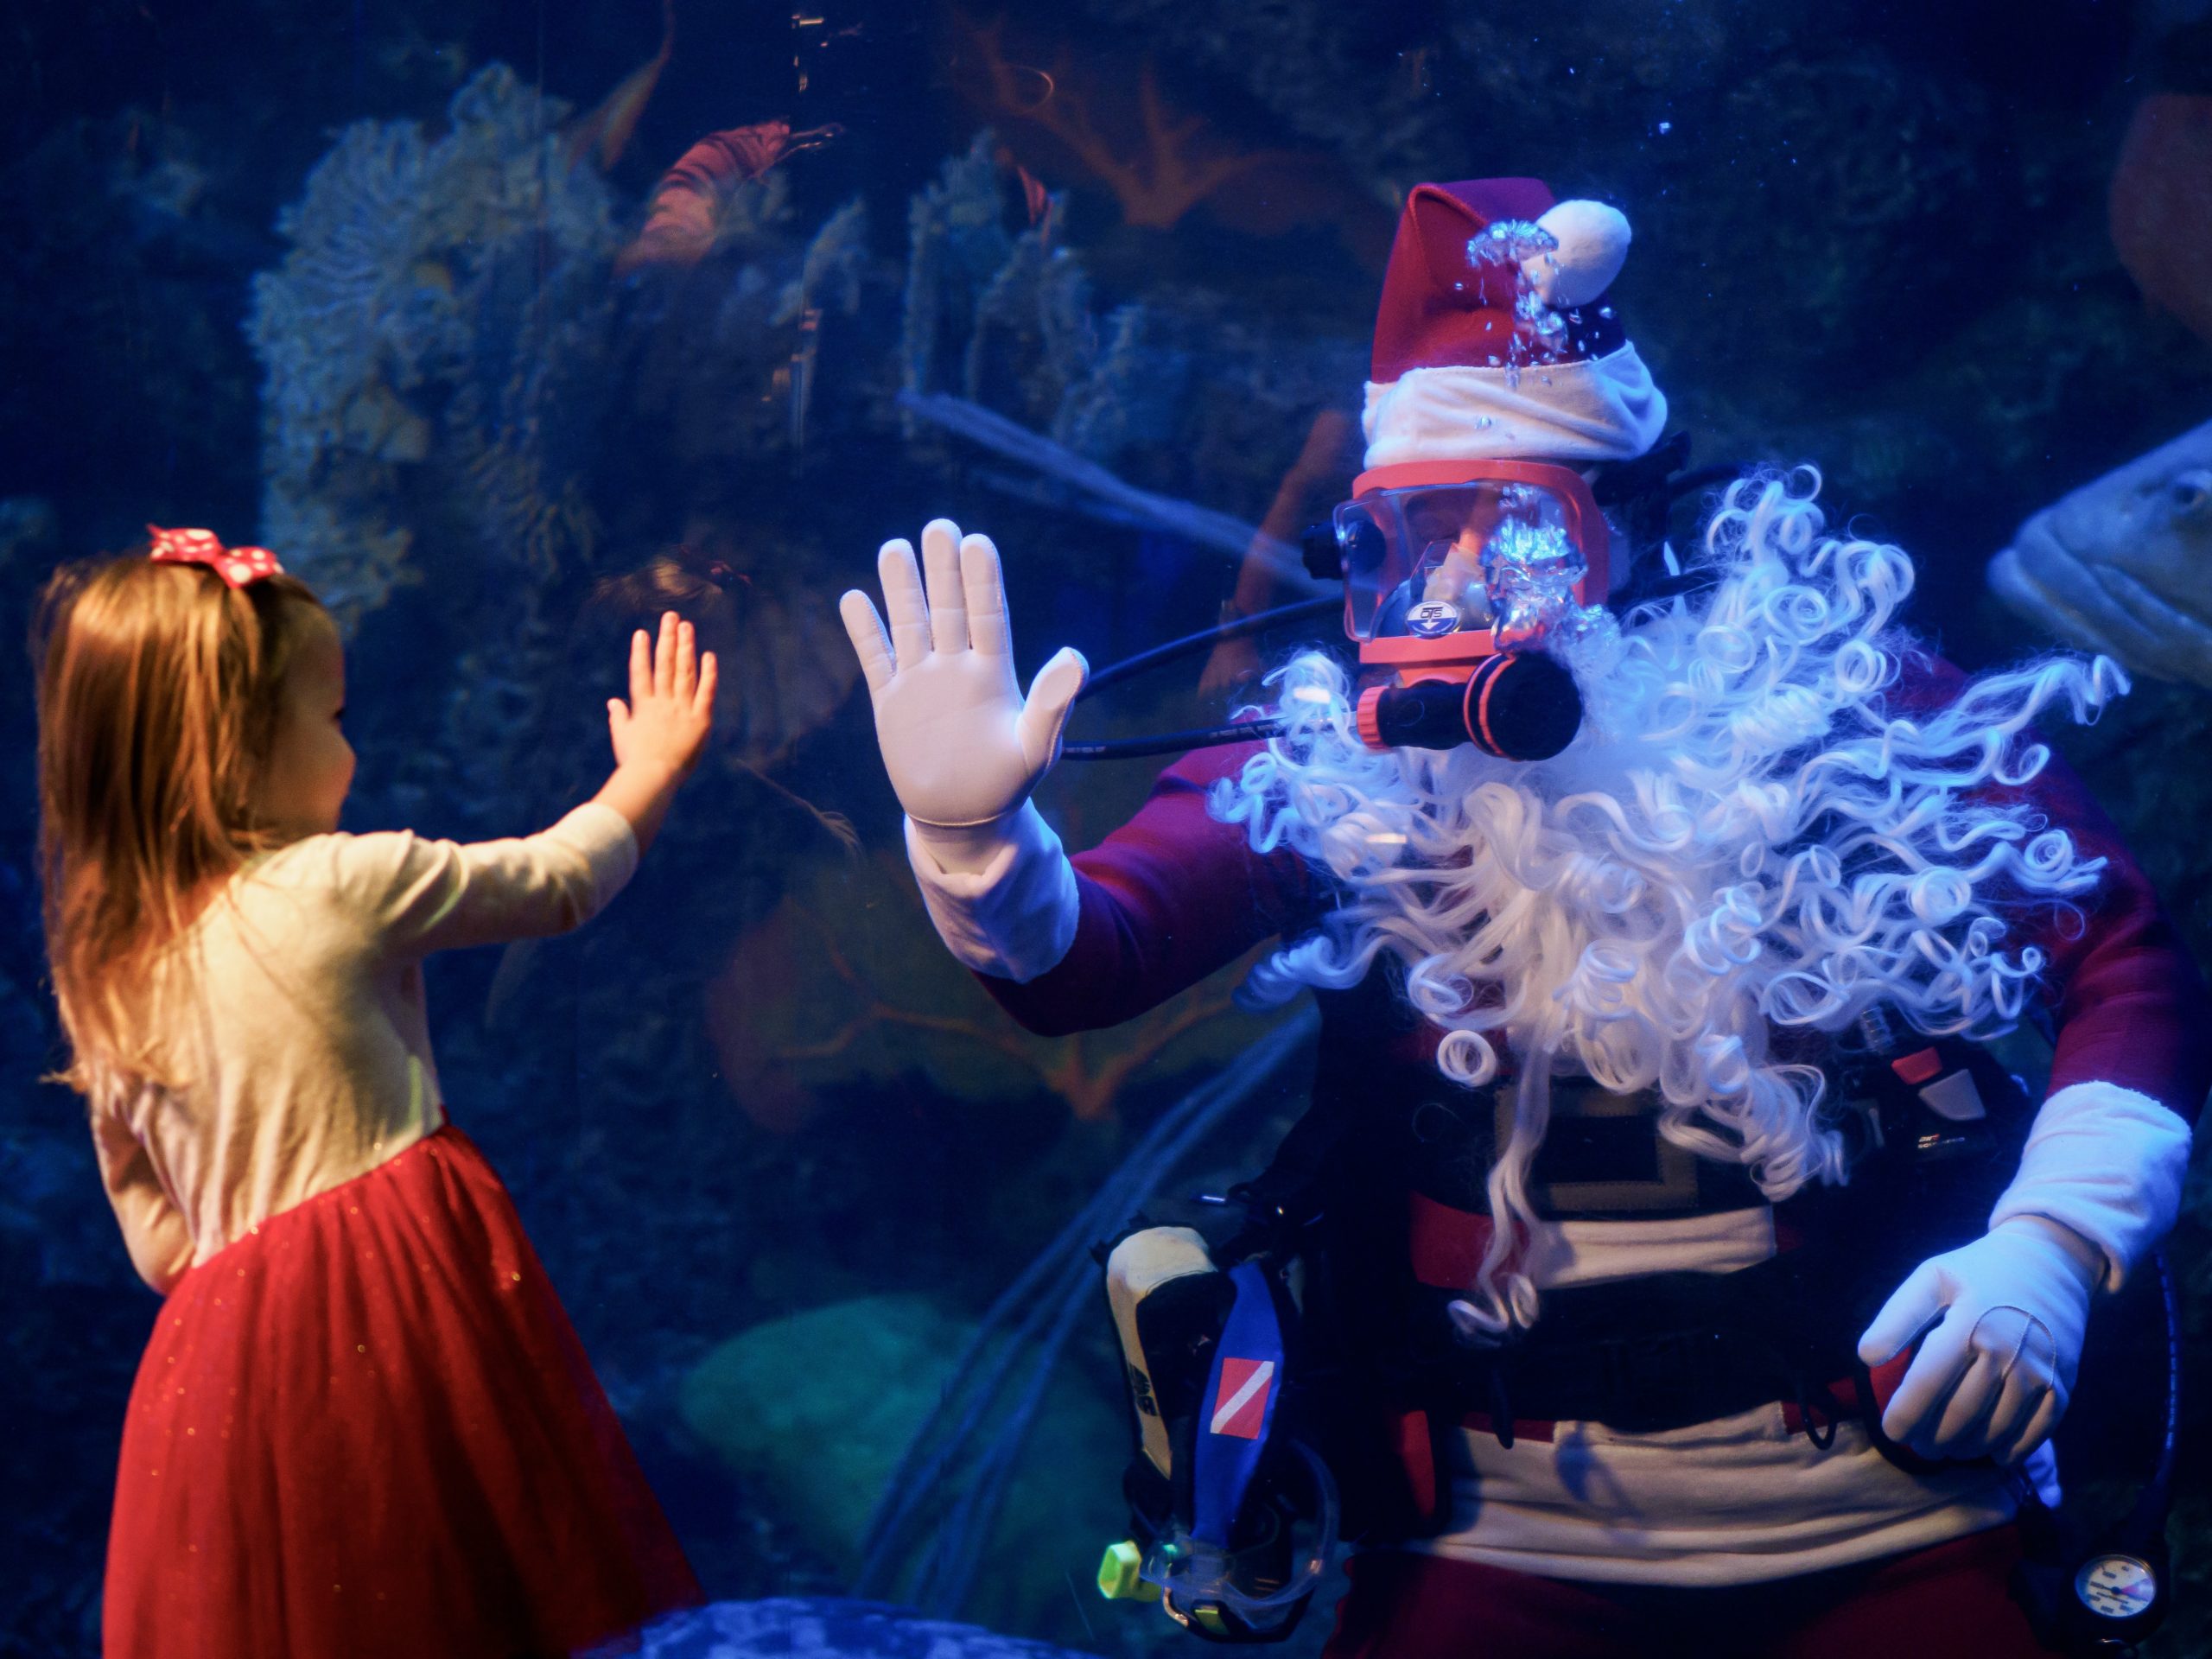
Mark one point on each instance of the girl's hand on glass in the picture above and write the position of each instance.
(664, 726)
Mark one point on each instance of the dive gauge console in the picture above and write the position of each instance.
(2116, 1597)
(2119, 1595)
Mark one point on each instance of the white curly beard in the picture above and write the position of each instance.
(1741, 838)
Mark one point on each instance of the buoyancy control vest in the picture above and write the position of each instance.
(1372, 1218)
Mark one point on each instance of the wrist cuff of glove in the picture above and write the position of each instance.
(971, 848)
(2106, 1164)
(2085, 1255)
(1013, 916)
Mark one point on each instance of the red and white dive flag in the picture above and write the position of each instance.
(1241, 1406)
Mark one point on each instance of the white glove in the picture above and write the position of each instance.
(1997, 1368)
(962, 748)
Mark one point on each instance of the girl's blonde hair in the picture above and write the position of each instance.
(159, 689)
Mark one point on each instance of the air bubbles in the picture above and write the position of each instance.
(1531, 253)
(1509, 241)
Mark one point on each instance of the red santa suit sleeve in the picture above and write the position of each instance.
(2130, 1007)
(2129, 1004)
(2109, 1146)
(1163, 901)
(1174, 894)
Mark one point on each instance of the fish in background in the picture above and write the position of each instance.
(685, 216)
(608, 129)
(1116, 126)
(2160, 206)
(2123, 565)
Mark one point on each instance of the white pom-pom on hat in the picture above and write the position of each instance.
(1593, 241)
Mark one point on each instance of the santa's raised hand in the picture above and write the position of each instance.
(962, 746)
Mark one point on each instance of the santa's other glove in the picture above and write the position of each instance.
(963, 747)
(2007, 1313)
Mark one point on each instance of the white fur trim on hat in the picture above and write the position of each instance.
(1606, 409)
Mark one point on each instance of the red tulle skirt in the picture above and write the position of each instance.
(368, 1428)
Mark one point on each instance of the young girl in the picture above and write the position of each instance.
(363, 1424)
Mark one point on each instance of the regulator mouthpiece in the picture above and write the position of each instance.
(1516, 706)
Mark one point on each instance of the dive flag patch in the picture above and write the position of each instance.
(1241, 1408)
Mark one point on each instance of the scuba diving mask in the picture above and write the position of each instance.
(1456, 574)
(1448, 563)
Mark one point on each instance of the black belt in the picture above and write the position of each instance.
(1602, 1157)
(1663, 1352)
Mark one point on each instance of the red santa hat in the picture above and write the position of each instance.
(1491, 344)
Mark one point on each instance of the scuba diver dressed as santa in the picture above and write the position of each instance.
(1662, 1263)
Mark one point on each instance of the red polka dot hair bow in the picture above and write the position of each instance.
(235, 565)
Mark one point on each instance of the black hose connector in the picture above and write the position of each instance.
(1321, 553)
(1516, 706)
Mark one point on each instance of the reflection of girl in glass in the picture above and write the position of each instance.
(363, 1424)
(1457, 534)
(1443, 594)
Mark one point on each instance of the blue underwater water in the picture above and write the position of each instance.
(374, 284)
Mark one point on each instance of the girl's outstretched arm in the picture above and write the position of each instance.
(659, 734)
(416, 896)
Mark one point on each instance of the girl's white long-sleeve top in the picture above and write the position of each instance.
(289, 1024)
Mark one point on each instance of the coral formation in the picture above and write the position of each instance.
(440, 297)
(955, 246)
(1174, 164)
(1189, 395)
(818, 1408)
(1034, 340)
